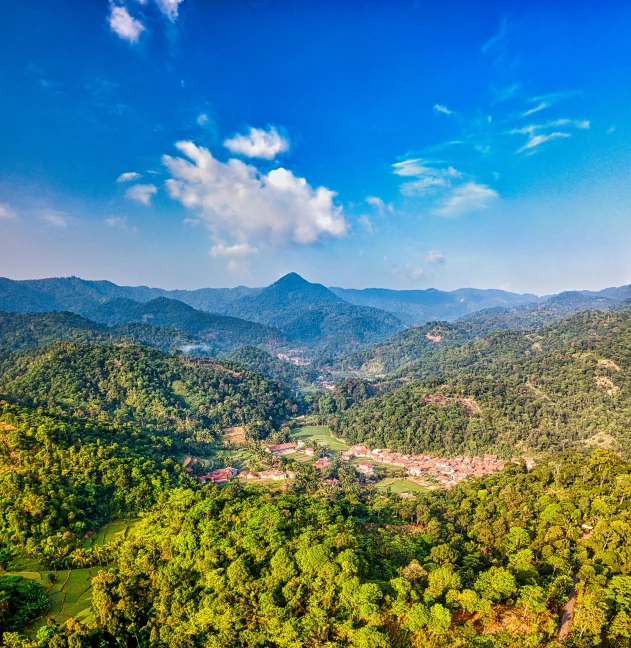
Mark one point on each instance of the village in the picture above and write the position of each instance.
(437, 471)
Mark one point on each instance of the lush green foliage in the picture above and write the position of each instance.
(61, 477)
(489, 564)
(512, 390)
(29, 330)
(275, 368)
(142, 386)
(20, 601)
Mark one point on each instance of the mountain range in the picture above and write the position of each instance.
(295, 313)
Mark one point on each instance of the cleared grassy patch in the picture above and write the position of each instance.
(399, 486)
(70, 590)
(321, 433)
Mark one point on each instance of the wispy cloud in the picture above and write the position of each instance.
(142, 193)
(123, 25)
(54, 218)
(543, 102)
(537, 140)
(407, 271)
(428, 178)
(467, 198)
(380, 205)
(6, 211)
(366, 223)
(169, 8)
(498, 39)
(128, 177)
(435, 257)
(119, 222)
(443, 109)
(239, 203)
(258, 143)
(236, 250)
(539, 134)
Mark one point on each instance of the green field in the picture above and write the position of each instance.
(71, 593)
(399, 486)
(321, 433)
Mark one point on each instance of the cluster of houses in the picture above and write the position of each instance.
(263, 475)
(448, 472)
(283, 449)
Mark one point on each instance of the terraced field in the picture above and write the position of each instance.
(70, 591)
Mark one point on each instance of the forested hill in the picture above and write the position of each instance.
(142, 386)
(219, 331)
(512, 391)
(61, 477)
(28, 330)
(416, 307)
(311, 315)
(405, 348)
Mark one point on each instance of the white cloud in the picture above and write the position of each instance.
(258, 143)
(237, 250)
(443, 109)
(127, 177)
(539, 134)
(6, 211)
(469, 197)
(366, 223)
(169, 7)
(238, 202)
(428, 178)
(537, 140)
(122, 24)
(380, 205)
(142, 193)
(202, 119)
(542, 105)
(611, 130)
(435, 256)
(54, 218)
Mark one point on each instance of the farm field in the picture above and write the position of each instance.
(70, 590)
(321, 433)
(399, 485)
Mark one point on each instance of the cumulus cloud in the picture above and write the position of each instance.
(6, 211)
(435, 256)
(122, 24)
(128, 177)
(169, 7)
(466, 198)
(142, 193)
(239, 203)
(258, 143)
(443, 109)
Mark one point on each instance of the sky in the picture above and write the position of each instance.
(402, 144)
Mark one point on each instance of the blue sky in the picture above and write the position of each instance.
(405, 144)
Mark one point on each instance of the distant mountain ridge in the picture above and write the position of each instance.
(292, 310)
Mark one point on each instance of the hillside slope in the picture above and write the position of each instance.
(135, 384)
(510, 391)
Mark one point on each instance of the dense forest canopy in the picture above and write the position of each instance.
(509, 391)
(97, 419)
(138, 385)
